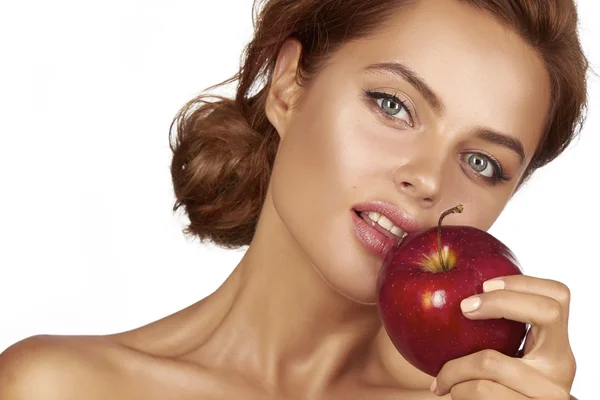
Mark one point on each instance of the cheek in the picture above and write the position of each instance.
(323, 152)
(317, 177)
(311, 182)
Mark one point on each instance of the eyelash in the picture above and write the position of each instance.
(499, 175)
(373, 96)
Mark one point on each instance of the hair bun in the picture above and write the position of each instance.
(220, 171)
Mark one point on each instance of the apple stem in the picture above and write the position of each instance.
(458, 209)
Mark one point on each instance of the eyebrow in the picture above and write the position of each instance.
(507, 141)
(409, 75)
(413, 78)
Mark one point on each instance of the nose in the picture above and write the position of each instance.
(420, 180)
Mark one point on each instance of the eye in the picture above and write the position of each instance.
(481, 164)
(486, 167)
(391, 107)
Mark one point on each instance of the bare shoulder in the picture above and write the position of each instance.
(57, 367)
(101, 367)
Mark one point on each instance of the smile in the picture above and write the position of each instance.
(376, 232)
(382, 224)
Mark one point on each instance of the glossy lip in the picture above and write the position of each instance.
(376, 242)
(373, 240)
(399, 217)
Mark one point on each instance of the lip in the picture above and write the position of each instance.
(399, 217)
(376, 242)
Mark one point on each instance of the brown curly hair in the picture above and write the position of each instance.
(225, 148)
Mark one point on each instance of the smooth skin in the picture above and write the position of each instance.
(296, 319)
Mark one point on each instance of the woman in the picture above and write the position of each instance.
(403, 108)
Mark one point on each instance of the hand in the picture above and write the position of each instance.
(547, 368)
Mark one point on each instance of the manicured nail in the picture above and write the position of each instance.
(494, 284)
(470, 304)
(433, 385)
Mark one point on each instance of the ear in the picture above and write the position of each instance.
(283, 88)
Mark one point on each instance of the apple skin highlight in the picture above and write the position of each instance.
(419, 296)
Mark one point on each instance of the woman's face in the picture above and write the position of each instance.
(440, 107)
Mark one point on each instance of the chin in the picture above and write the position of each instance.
(331, 247)
(365, 295)
(352, 274)
(350, 270)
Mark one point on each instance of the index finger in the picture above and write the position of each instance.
(529, 284)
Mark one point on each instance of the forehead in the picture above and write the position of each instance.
(483, 72)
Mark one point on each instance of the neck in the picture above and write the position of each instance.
(284, 321)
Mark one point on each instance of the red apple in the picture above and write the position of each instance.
(421, 284)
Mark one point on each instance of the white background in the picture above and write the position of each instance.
(88, 242)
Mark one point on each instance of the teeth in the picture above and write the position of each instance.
(385, 223)
(374, 216)
(397, 231)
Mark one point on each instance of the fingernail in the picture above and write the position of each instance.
(494, 284)
(470, 304)
(433, 385)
